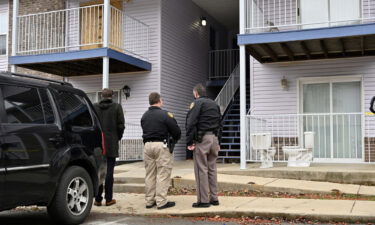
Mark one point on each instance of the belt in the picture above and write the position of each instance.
(153, 140)
(208, 132)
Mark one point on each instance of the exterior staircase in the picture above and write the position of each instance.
(230, 140)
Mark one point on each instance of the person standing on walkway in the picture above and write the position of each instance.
(112, 120)
(158, 127)
(203, 131)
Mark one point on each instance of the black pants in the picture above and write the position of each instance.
(108, 182)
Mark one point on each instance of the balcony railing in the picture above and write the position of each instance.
(283, 15)
(222, 63)
(81, 29)
(337, 136)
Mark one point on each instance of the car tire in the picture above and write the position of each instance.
(73, 198)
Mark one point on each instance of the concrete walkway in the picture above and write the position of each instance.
(322, 210)
(130, 178)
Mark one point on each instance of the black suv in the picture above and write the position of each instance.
(50, 147)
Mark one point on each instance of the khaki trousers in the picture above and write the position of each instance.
(205, 156)
(158, 163)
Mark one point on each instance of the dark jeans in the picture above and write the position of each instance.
(108, 182)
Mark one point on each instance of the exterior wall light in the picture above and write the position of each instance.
(203, 21)
(126, 90)
(284, 84)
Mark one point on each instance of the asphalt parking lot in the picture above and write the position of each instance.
(36, 216)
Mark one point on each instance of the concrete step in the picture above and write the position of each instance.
(262, 184)
(124, 179)
(129, 188)
(316, 173)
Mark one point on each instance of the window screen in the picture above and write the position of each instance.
(22, 105)
(74, 110)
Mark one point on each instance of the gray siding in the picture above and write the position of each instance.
(185, 46)
(141, 84)
(4, 8)
(268, 98)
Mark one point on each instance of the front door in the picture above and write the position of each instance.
(332, 110)
(91, 24)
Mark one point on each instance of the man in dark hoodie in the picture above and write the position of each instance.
(112, 120)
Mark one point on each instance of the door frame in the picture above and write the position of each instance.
(334, 79)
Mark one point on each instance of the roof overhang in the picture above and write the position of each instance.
(81, 62)
(320, 43)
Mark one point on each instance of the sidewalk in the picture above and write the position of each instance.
(322, 210)
(130, 178)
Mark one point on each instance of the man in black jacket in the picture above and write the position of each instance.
(203, 131)
(158, 125)
(112, 120)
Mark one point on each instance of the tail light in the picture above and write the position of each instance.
(103, 145)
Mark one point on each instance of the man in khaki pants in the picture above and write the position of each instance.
(203, 131)
(158, 126)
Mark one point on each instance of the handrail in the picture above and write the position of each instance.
(229, 90)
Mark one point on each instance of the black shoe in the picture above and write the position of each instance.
(214, 203)
(168, 205)
(201, 205)
(151, 206)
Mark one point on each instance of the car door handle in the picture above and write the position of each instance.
(56, 139)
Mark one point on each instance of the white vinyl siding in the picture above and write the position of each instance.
(184, 62)
(269, 98)
(4, 15)
(142, 83)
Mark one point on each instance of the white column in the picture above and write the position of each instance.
(242, 88)
(106, 23)
(106, 38)
(105, 72)
(16, 4)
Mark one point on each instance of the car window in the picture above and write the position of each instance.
(47, 107)
(74, 110)
(22, 105)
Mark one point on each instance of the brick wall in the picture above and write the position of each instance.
(369, 149)
(28, 7)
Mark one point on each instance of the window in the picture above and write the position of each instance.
(3, 32)
(74, 110)
(47, 107)
(97, 96)
(22, 105)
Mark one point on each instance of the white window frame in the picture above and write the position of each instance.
(333, 79)
(6, 13)
(97, 93)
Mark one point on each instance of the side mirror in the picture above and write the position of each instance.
(372, 105)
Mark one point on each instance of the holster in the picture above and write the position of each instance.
(171, 144)
(199, 137)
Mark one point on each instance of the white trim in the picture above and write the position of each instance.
(328, 79)
(18, 168)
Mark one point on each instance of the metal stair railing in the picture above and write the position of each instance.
(229, 90)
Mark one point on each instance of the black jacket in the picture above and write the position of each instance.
(204, 115)
(112, 119)
(157, 124)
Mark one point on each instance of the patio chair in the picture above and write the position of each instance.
(301, 156)
(261, 142)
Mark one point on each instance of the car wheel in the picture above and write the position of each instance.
(73, 198)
